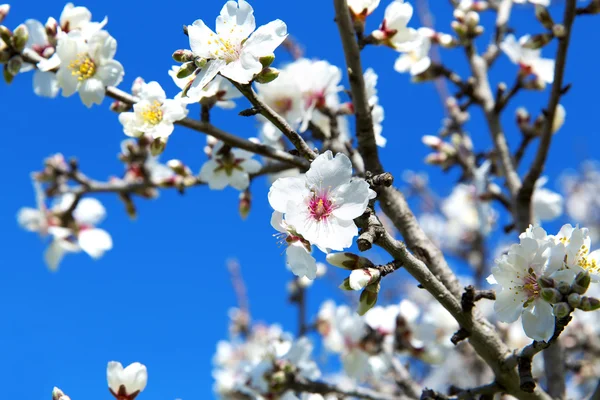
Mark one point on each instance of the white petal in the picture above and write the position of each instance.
(110, 73)
(403, 63)
(234, 21)
(37, 33)
(277, 222)
(251, 166)
(103, 47)
(89, 211)
(538, 320)
(327, 171)
(54, 255)
(508, 306)
(91, 92)
(200, 35)
(285, 190)
(95, 242)
(266, 39)
(45, 84)
(239, 179)
(66, 81)
(210, 70)
(420, 66)
(243, 69)
(300, 261)
(153, 91)
(30, 219)
(353, 199)
(114, 370)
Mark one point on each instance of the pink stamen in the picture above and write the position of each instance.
(320, 206)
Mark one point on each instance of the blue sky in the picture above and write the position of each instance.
(161, 295)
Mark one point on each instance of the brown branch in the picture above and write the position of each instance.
(304, 385)
(364, 123)
(523, 200)
(276, 119)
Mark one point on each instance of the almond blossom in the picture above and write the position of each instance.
(298, 250)
(79, 18)
(44, 82)
(228, 167)
(322, 204)
(235, 49)
(126, 383)
(154, 114)
(81, 235)
(518, 273)
(415, 58)
(393, 31)
(546, 205)
(87, 66)
(529, 61)
(219, 92)
(573, 245)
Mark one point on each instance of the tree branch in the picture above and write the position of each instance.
(523, 200)
(303, 385)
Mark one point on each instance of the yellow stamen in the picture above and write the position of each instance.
(153, 113)
(83, 67)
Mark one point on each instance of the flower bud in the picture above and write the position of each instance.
(538, 41)
(551, 295)
(58, 394)
(5, 35)
(13, 66)
(266, 61)
(345, 285)
(436, 158)
(51, 27)
(368, 298)
(459, 15)
(177, 166)
(267, 75)
(157, 146)
(432, 141)
(20, 38)
(542, 15)
(361, 278)
(4, 56)
(523, 117)
(136, 87)
(183, 56)
(445, 40)
(459, 28)
(581, 283)
(559, 31)
(562, 309)
(4, 9)
(200, 62)
(186, 70)
(348, 261)
(564, 287)
(589, 303)
(245, 203)
(574, 300)
(545, 282)
(559, 118)
(472, 19)
(119, 107)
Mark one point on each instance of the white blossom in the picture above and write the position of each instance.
(298, 250)
(546, 205)
(44, 82)
(228, 167)
(128, 382)
(235, 49)
(154, 114)
(87, 66)
(79, 18)
(219, 91)
(573, 245)
(528, 60)
(517, 273)
(322, 204)
(416, 58)
(393, 30)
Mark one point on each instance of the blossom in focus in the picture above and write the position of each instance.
(219, 92)
(362, 8)
(126, 383)
(87, 66)
(298, 249)
(546, 205)
(530, 61)
(228, 167)
(416, 58)
(154, 114)
(235, 49)
(573, 245)
(393, 30)
(322, 204)
(517, 273)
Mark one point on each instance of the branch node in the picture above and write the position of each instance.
(459, 336)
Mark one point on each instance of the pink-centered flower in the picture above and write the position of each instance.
(322, 204)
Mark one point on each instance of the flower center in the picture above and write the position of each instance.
(320, 207)
(530, 285)
(227, 50)
(228, 163)
(83, 67)
(282, 105)
(588, 264)
(153, 113)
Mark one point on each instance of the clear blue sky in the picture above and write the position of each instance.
(161, 295)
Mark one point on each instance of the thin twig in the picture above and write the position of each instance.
(523, 201)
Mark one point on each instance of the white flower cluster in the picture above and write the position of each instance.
(544, 278)
(67, 236)
(367, 344)
(318, 208)
(254, 364)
